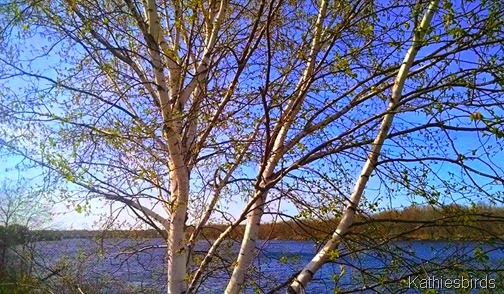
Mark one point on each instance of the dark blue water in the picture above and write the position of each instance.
(361, 268)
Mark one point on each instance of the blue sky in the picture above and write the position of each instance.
(67, 217)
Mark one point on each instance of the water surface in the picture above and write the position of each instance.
(111, 259)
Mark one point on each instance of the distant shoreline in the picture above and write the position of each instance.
(416, 223)
(276, 239)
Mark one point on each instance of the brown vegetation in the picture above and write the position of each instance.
(452, 222)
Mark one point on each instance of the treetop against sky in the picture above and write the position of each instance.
(42, 56)
(190, 112)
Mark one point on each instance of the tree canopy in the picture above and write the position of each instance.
(295, 109)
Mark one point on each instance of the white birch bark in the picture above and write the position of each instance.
(171, 104)
(300, 282)
(177, 253)
(246, 254)
(179, 174)
(179, 169)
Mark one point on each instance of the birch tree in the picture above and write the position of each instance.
(347, 218)
(175, 109)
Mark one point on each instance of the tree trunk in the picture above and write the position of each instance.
(177, 253)
(300, 282)
(246, 255)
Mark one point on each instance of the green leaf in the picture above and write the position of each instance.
(476, 116)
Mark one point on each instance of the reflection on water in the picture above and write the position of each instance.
(371, 268)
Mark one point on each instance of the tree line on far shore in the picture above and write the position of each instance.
(453, 222)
